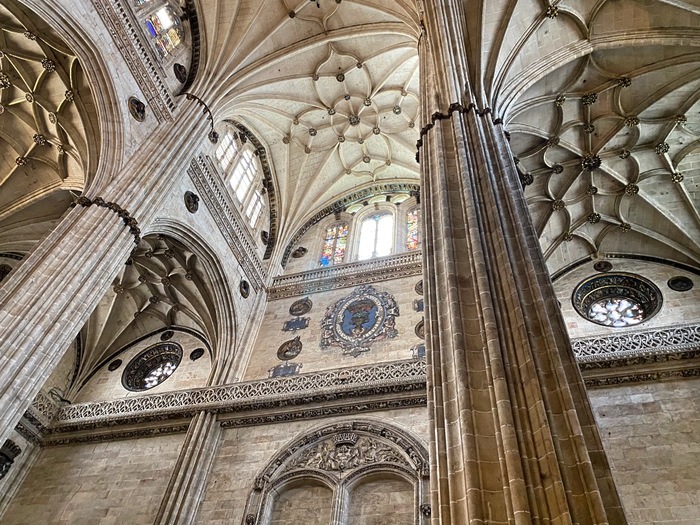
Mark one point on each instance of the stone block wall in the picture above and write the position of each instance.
(109, 483)
(244, 452)
(313, 357)
(651, 433)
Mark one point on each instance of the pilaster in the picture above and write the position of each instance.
(187, 482)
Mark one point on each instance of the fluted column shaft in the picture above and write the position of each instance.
(513, 437)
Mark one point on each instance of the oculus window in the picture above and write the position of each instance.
(617, 300)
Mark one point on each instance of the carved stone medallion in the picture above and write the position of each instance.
(244, 288)
(289, 349)
(191, 201)
(180, 73)
(680, 283)
(137, 109)
(420, 329)
(419, 287)
(299, 252)
(355, 322)
(301, 307)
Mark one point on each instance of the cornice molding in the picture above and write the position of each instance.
(635, 343)
(347, 275)
(219, 203)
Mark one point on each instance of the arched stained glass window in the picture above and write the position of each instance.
(412, 235)
(243, 174)
(376, 236)
(335, 244)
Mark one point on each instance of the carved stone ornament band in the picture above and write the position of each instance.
(454, 107)
(129, 221)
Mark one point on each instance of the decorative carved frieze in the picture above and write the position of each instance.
(347, 275)
(211, 189)
(617, 346)
(607, 360)
(253, 393)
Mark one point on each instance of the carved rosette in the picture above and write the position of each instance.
(360, 319)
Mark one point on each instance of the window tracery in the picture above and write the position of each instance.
(241, 168)
(376, 236)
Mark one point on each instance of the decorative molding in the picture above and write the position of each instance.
(344, 382)
(125, 216)
(347, 275)
(635, 343)
(342, 204)
(136, 57)
(218, 202)
(455, 107)
(610, 360)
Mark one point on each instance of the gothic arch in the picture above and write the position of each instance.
(342, 455)
(224, 310)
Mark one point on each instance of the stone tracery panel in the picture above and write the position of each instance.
(349, 457)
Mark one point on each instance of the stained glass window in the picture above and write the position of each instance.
(376, 236)
(164, 26)
(412, 237)
(334, 244)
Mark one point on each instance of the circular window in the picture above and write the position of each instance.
(152, 366)
(617, 300)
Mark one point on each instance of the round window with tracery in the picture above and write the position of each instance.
(152, 366)
(617, 300)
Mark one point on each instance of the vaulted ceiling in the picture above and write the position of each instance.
(599, 96)
(48, 136)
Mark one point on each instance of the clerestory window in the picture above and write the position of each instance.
(334, 244)
(376, 236)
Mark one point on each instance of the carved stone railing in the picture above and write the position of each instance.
(251, 394)
(345, 275)
(211, 189)
(634, 343)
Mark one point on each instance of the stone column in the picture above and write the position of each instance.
(188, 480)
(45, 301)
(513, 436)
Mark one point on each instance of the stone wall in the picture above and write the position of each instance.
(651, 433)
(244, 452)
(109, 483)
(313, 356)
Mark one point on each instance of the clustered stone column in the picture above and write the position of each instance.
(513, 436)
